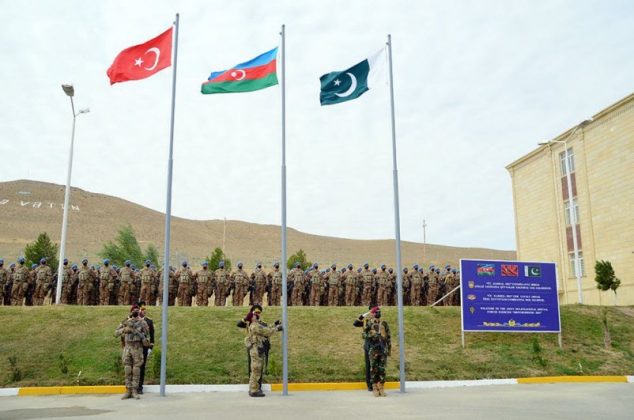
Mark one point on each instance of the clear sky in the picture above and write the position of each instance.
(477, 85)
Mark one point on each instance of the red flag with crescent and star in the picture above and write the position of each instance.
(143, 60)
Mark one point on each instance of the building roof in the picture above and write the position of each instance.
(592, 121)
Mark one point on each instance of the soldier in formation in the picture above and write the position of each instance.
(133, 332)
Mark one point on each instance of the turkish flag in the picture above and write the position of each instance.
(143, 60)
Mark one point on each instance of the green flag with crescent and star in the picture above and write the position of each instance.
(341, 86)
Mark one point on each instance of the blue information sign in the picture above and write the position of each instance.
(509, 296)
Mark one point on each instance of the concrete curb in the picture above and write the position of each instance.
(298, 387)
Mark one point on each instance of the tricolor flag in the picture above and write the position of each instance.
(341, 86)
(255, 74)
(143, 60)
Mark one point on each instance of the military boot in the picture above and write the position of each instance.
(256, 394)
(135, 394)
(375, 390)
(127, 394)
(381, 387)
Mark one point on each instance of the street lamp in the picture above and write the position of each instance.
(70, 92)
(571, 208)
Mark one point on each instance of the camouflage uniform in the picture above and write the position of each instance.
(449, 285)
(334, 284)
(133, 332)
(85, 286)
(184, 276)
(127, 291)
(259, 284)
(299, 282)
(377, 334)
(382, 287)
(416, 287)
(147, 283)
(172, 287)
(240, 280)
(204, 286)
(406, 286)
(67, 284)
(432, 294)
(222, 280)
(258, 333)
(456, 295)
(107, 279)
(43, 280)
(391, 292)
(21, 278)
(350, 281)
(316, 286)
(368, 284)
(4, 279)
(275, 279)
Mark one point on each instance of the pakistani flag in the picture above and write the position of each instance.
(341, 86)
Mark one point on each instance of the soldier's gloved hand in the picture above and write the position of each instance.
(278, 322)
(280, 328)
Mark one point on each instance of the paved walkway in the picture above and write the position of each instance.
(549, 401)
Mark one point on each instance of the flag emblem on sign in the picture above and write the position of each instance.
(532, 271)
(486, 270)
(510, 270)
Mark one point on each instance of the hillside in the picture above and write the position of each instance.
(205, 346)
(31, 207)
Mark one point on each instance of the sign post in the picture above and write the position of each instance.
(509, 296)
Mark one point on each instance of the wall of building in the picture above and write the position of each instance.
(604, 190)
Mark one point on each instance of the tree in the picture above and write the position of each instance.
(214, 260)
(126, 247)
(298, 257)
(606, 280)
(42, 248)
(152, 254)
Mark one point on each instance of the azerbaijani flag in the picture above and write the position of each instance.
(255, 74)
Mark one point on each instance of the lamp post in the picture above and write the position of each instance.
(70, 92)
(571, 208)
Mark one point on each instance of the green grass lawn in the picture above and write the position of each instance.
(75, 345)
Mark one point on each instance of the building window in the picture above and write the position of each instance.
(571, 161)
(567, 211)
(572, 264)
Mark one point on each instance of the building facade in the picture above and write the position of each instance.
(600, 162)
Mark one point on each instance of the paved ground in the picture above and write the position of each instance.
(561, 401)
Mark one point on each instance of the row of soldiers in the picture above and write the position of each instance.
(111, 285)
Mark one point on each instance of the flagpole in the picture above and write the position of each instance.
(283, 262)
(397, 228)
(168, 215)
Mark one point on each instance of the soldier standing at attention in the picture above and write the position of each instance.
(334, 283)
(4, 279)
(43, 279)
(240, 280)
(449, 281)
(133, 332)
(223, 282)
(185, 277)
(368, 284)
(107, 278)
(258, 334)
(85, 284)
(298, 279)
(377, 334)
(316, 286)
(275, 279)
(382, 286)
(147, 346)
(350, 282)
(21, 278)
(66, 283)
(128, 291)
(259, 283)
(433, 286)
(416, 286)
(203, 285)
(406, 286)
(147, 282)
